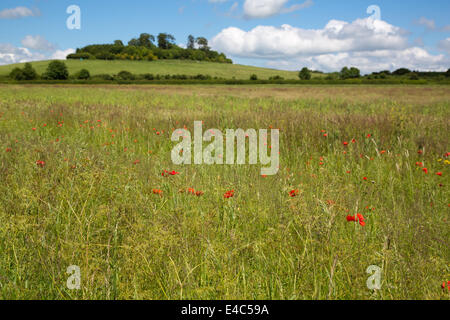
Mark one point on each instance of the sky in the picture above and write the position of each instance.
(322, 35)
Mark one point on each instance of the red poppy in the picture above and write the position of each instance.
(293, 193)
(358, 218)
(420, 152)
(345, 143)
(136, 162)
(419, 164)
(166, 173)
(365, 178)
(425, 170)
(353, 140)
(40, 163)
(229, 194)
(8, 149)
(157, 191)
(369, 135)
(439, 174)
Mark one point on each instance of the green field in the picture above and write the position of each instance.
(161, 67)
(80, 169)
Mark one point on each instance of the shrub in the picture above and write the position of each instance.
(413, 76)
(83, 74)
(148, 76)
(254, 77)
(29, 73)
(125, 75)
(276, 78)
(56, 70)
(17, 74)
(104, 77)
(304, 74)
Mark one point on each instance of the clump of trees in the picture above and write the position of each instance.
(56, 70)
(304, 74)
(150, 48)
(349, 73)
(27, 73)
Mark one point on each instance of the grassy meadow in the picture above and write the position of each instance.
(81, 170)
(161, 67)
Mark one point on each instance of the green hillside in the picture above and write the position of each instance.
(161, 67)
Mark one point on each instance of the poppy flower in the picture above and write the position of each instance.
(8, 149)
(293, 193)
(425, 170)
(229, 194)
(419, 164)
(40, 163)
(365, 178)
(439, 174)
(353, 140)
(358, 218)
(136, 162)
(157, 191)
(369, 135)
(420, 152)
(166, 173)
(345, 143)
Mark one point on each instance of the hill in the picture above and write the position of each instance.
(161, 67)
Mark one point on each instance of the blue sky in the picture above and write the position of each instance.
(285, 34)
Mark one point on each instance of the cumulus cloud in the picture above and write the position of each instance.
(37, 43)
(18, 12)
(34, 49)
(365, 43)
(337, 36)
(445, 45)
(61, 54)
(427, 23)
(254, 9)
(414, 58)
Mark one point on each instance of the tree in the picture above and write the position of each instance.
(118, 43)
(351, 73)
(401, 72)
(191, 42)
(447, 74)
(56, 70)
(125, 75)
(354, 73)
(83, 74)
(203, 43)
(146, 40)
(133, 42)
(17, 74)
(305, 74)
(165, 41)
(29, 73)
(254, 77)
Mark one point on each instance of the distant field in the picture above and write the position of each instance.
(162, 67)
(82, 184)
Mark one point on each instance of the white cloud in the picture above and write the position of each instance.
(369, 61)
(364, 43)
(254, 9)
(10, 54)
(427, 23)
(18, 12)
(61, 54)
(37, 43)
(337, 36)
(445, 45)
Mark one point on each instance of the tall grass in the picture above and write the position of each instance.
(92, 203)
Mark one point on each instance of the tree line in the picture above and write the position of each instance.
(150, 48)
